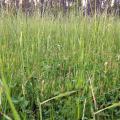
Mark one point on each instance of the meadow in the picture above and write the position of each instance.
(65, 68)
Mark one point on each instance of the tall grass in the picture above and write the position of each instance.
(59, 69)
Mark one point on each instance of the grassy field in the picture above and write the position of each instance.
(59, 69)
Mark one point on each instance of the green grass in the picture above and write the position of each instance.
(59, 69)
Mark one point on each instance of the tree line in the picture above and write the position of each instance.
(88, 7)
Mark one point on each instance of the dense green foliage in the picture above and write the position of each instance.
(59, 69)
